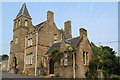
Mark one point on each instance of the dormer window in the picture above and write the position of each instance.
(26, 23)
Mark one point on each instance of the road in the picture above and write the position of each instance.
(11, 76)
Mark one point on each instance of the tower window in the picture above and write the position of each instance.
(18, 22)
(16, 40)
(15, 24)
(26, 23)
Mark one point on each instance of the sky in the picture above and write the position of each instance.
(99, 18)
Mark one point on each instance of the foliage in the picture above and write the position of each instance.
(25, 72)
(55, 54)
(117, 66)
(102, 59)
(4, 56)
(71, 48)
(115, 77)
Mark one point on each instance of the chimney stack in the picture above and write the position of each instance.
(50, 16)
(83, 33)
(67, 29)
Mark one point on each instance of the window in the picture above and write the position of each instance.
(29, 58)
(85, 58)
(61, 62)
(18, 22)
(16, 40)
(26, 23)
(65, 55)
(55, 38)
(65, 59)
(15, 24)
(65, 62)
(29, 39)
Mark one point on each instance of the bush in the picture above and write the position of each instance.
(116, 77)
(25, 72)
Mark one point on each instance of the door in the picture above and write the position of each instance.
(51, 66)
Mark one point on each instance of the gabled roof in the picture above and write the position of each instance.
(23, 12)
(73, 41)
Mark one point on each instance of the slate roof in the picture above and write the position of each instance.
(73, 41)
(23, 11)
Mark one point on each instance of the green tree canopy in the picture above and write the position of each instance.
(103, 58)
(4, 56)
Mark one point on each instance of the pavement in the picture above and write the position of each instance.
(11, 76)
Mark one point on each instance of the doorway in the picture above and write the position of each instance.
(51, 66)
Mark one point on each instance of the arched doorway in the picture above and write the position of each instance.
(51, 66)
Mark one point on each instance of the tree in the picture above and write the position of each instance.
(117, 66)
(103, 58)
(4, 56)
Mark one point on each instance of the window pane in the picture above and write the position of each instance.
(26, 23)
(65, 62)
(61, 62)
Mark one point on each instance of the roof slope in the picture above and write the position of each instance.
(73, 41)
(23, 11)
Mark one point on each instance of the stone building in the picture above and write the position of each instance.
(4, 65)
(32, 45)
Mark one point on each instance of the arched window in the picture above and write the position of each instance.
(18, 22)
(26, 23)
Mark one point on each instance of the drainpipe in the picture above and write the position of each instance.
(36, 53)
(25, 54)
(73, 65)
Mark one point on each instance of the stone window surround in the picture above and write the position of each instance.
(18, 23)
(85, 58)
(29, 59)
(26, 23)
(30, 39)
(64, 61)
(55, 38)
